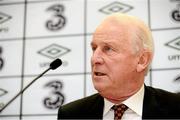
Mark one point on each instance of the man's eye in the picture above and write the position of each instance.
(106, 48)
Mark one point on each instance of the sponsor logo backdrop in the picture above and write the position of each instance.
(35, 32)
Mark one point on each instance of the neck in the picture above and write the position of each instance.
(116, 101)
(119, 99)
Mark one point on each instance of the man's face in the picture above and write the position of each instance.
(113, 62)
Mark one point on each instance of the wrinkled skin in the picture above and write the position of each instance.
(117, 70)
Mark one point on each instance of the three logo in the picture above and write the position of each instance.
(57, 98)
(58, 20)
(175, 14)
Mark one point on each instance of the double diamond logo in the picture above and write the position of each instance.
(116, 7)
(3, 92)
(175, 43)
(53, 51)
(4, 17)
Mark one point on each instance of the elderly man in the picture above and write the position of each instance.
(122, 48)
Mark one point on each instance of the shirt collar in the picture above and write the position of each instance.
(134, 102)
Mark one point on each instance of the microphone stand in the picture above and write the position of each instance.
(24, 89)
(53, 65)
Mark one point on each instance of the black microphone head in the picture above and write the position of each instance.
(55, 64)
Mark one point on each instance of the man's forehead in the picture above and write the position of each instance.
(105, 40)
(108, 36)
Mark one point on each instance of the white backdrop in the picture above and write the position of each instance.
(35, 32)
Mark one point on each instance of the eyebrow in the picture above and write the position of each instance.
(105, 43)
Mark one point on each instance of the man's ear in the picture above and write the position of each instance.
(144, 60)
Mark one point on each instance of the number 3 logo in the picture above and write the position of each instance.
(58, 100)
(58, 21)
(176, 14)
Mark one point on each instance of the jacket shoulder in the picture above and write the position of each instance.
(88, 107)
(160, 104)
(163, 94)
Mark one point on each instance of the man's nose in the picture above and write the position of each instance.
(97, 57)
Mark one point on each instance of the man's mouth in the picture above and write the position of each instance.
(99, 74)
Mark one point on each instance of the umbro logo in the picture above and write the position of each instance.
(4, 17)
(53, 51)
(116, 7)
(175, 43)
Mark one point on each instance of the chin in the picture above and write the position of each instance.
(99, 87)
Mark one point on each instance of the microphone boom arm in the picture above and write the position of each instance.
(53, 65)
(20, 92)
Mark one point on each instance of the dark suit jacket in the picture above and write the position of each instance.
(157, 104)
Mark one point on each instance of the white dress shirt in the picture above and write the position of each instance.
(134, 111)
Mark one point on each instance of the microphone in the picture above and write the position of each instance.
(53, 65)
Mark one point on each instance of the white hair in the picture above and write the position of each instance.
(143, 34)
(139, 32)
